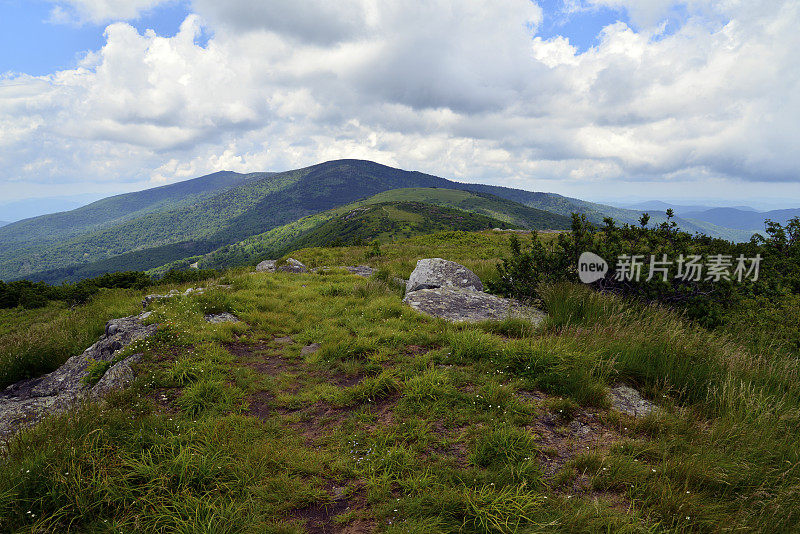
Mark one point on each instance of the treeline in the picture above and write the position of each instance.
(31, 295)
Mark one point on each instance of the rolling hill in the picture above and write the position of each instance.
(432, 210)
(162, 225)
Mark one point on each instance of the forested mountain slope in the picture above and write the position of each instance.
(155, 227)
(402, 213)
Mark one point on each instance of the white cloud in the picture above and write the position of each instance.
(100, 11)
(463, 89)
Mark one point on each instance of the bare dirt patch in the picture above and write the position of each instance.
(320, 518)
(260, 404)
(262, 358)
(586, 433)
(165, 399)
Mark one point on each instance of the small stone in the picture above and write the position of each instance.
(627, 400)
(579, 428)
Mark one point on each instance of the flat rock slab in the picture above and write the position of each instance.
(471, 306)
(223, 317)
(28, 401)
(360, 270)
(627, 400)
(431, 273)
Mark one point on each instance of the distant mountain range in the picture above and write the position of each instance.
(3, 223)
(742, 219)
(657, 205)
(195, 218)
(16, 210)
(734, 217)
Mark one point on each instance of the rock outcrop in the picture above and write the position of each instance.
(28, 401)
(292, 266)
(472, 306)
(432, 273)
(449, 290)
(266, 266)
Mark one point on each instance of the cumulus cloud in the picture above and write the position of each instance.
(100, 11)
(462, 88)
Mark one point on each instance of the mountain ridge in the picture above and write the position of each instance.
(200, 215)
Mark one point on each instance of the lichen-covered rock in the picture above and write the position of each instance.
(627, 400)
(293, 266)
(266, 266)
(28, 401)
(432, 273)
(118, 376)
(466, 305)
(223, 317)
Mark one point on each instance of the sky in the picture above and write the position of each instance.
(598, 99)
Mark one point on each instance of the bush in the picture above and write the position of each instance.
(529, 270)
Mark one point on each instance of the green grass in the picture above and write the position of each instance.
(479, 251)
(403, 423)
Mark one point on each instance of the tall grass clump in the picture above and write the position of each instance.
(504, 510)
(509, 451)
(472, 345)
(370, 389)
(209, 396)
(560, 367)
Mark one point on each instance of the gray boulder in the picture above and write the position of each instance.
(293, 266)
(432, 273)
(458, 305)
(28, 401)
(266, 266)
